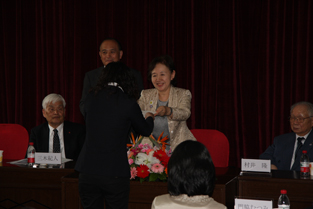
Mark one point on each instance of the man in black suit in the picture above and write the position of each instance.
(110, 51)
(286, 150)
(57, 135)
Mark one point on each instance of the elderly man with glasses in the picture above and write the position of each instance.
(57, 135)
(286, 151)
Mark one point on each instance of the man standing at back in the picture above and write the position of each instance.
(110, 51)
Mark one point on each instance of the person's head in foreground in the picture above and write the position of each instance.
(191, 170)
(119, 74)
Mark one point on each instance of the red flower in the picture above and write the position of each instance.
(135, 151)
(165, 160)
(162, 156)
(142, 171)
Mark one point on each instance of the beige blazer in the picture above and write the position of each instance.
(180, 101)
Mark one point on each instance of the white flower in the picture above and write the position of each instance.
(148, 160)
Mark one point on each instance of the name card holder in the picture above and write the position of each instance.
(48, 158)
(255, 167)
(252, 203)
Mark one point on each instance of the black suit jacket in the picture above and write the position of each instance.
(74, 137)
(91, 79)
(281, 151)
(108, 120)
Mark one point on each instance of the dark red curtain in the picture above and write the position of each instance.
(244, 61)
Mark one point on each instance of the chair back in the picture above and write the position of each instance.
(13, 141)
(217, 144)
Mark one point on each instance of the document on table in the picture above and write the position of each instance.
(24, 161)
(19, 162)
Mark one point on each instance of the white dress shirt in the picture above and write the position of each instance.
(295, 147)
(61, 137)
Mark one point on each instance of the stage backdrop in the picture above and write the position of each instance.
(245, 62)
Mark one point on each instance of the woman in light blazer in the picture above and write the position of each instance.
(171, 104)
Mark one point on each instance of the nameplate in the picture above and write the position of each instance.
(255, 165)
(48, 158)
(247, 203)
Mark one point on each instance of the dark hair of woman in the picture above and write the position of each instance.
(191, 170)
(119, 73)
(165, 60)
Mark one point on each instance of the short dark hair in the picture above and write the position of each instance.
(118, 72)
(113, 39)
(191, 170)
(165, 60)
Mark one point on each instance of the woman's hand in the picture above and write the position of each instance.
(149, 114)
(163, 111)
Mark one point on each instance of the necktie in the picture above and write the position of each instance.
(299, 145)
(56, 142)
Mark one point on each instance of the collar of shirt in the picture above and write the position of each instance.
(295, 147)
(59, 128)
(305, 136)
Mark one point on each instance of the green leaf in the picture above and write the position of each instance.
(163, 176)
(153, 176)
(143, 179)
(138, 141)
(155, 142)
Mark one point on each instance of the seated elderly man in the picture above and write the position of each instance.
(286, 150)
(57, 135)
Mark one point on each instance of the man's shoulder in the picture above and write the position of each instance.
(95, 71)
(285, 136)
(73, 125)
(40, 127)
(133, 70)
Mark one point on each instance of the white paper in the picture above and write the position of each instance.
(19, 162)
(256, 165)
(25, 161)
(48, 158)
(64, 160)
(247, 203)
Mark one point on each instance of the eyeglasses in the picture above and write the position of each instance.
(300, 120)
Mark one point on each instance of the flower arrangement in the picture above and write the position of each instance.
(148, 162)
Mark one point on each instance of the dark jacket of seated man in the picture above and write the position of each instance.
(281, 151)
(73, 135)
